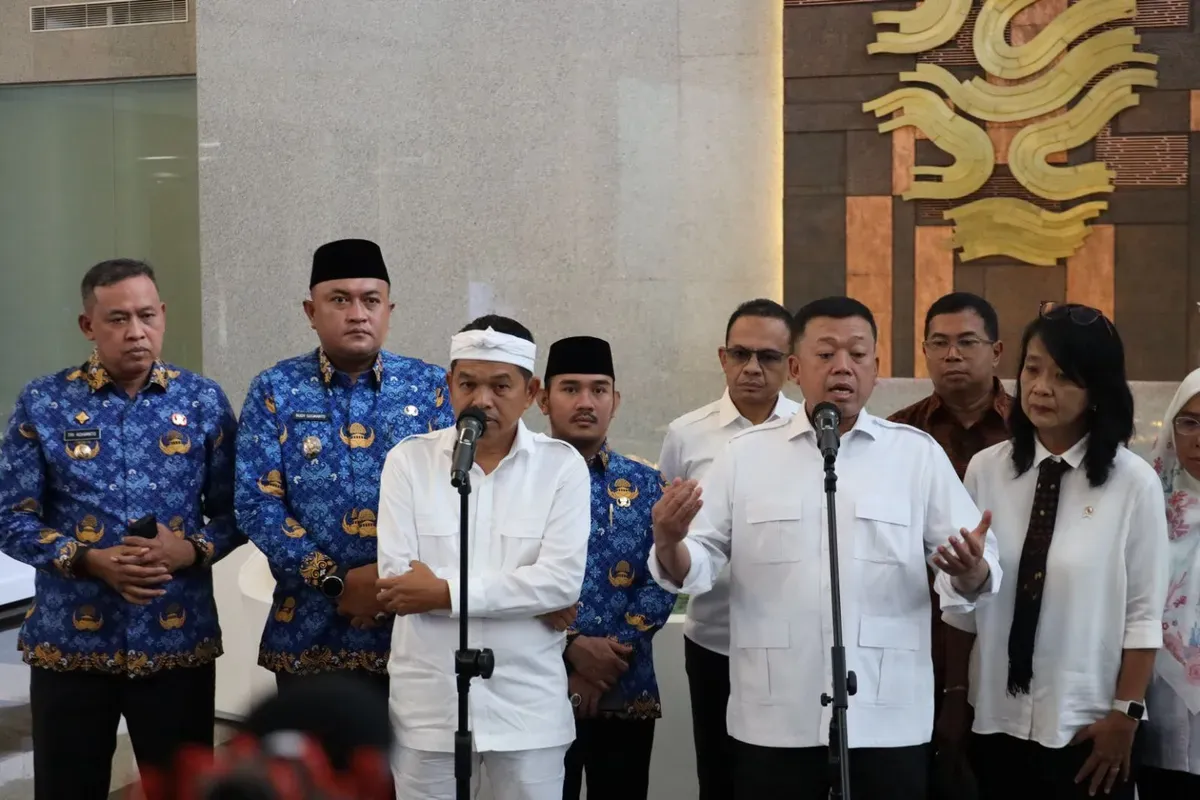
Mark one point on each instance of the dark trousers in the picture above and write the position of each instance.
(1165, 784)
(381, 682)
(708, 684)
(75, 718)
(1008, 767)
(615, 756)
(803, 773)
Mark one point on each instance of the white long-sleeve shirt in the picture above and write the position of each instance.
(898, 498)
(691, 444)
(1106, 584)
(529, 522)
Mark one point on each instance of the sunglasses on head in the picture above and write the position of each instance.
(1075, 312)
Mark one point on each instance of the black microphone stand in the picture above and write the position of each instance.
(845, 683)
(468, 663)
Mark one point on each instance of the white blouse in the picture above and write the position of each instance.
(1106, 582)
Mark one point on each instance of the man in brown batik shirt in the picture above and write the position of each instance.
(966, 413)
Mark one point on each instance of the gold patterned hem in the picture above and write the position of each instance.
(316, 660)
(133, 663)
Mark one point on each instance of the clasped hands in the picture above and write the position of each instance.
(417, 591)
(138, 568)
(597, 662)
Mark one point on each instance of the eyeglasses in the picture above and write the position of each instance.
(766, 358)
(1186, 426)
(1079, 314)
(967, 345)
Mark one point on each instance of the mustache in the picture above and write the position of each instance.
(584, 418)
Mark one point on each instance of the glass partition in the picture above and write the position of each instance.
(89, 172)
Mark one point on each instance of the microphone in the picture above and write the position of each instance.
(471, 424)
(826, 418)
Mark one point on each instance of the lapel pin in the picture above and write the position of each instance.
(178, 420)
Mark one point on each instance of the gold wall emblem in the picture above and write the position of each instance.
(89, 530)
(174, 443)
(292, 528)
(620, 574)
(359, 436)
(272, 483)
(172, 617)
(1032, 82)
(87, 618)
(359, 522)
(623, 492)
(286, 610)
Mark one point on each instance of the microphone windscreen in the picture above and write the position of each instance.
(343, 714)
(472, 412)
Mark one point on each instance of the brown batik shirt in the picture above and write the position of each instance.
(961, 444)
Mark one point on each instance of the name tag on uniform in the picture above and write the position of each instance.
(310, 416)
(82, 435)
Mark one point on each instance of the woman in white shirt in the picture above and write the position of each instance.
(1173, 721)
(1065, 650)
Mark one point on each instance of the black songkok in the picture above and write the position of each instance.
(348, 258)
(580, 355)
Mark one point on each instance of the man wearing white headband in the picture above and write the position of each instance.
(529, 521)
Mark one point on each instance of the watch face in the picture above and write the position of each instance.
(332, 587)
(1136, 710)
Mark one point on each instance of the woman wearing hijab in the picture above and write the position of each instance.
(1065, 650)
(1173, 704)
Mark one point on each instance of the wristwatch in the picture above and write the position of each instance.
(332, 586)
(1130, 708)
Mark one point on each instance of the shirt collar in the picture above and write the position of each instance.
(523, 442)
(97, 376)
(1074, 456)
(1000, 402)
(601, 459)
(327, 370)
(866, 424)
(727, 412)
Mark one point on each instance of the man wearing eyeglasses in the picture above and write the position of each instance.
(966, 413)
(758, 341)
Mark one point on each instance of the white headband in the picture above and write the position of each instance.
(492, 346)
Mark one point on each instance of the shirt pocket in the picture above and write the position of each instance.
(761, 658)
(881, 529)
(437, 541)
(521, 542)
(888, 650)
(773, 533)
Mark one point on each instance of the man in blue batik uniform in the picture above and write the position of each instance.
(314, 433)
(121, 625)
(609, 657)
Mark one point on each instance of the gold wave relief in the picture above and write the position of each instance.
(1041, 81)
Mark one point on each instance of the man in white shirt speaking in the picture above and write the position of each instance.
(899, 501)
(529, 520)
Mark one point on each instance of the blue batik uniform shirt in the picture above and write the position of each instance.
(80, 461)
(619, 599)
(310, 452)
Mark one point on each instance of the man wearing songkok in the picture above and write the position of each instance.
(123, 622)
(610, 663)
(314, 433)
(528, 522)
(898, 502)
